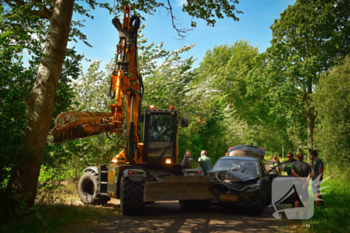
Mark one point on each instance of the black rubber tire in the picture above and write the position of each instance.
(260, 209)
(88, 187)
(131, 196)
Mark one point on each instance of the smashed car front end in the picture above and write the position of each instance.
(236, 188)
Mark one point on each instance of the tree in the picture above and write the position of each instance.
(332, 101)
(226, 71)
(57, 16)
(21, 32)
(308, 38)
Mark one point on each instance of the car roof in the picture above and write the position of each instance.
(247, 147)
(237, 158)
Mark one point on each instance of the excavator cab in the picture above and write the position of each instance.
(160, 136)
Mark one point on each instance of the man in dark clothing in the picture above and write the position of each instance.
(317, 177)
(288, 166)
(302, 171)
(186, 162)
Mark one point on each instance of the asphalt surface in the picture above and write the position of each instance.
(168, 217)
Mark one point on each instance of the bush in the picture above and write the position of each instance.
(332, 100)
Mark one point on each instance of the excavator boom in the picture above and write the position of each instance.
(126, 85)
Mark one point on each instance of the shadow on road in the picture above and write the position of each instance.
(167, 217)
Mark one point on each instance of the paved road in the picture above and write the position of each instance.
(167, 217)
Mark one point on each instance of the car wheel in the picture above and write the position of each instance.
(261, 207)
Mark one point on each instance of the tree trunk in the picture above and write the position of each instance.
(24, 176)
(294, 151)
(310, 117)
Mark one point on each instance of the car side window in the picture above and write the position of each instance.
(263, 168)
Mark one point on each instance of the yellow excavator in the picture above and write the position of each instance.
(142, 172)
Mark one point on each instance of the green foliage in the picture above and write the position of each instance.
(167, 83)
(57, 218)
(231, 76)
(225, 71)
(207, 133)
(90, 90)
(332, 100)
(334, 215)
(208, 10)
(15, 82)
(307, 39)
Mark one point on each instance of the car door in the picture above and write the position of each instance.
(280, 172)
(265, 182)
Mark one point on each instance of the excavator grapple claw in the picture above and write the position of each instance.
(73, 125)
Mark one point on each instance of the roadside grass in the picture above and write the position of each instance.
(58, 209)
(334, 216)
(56, 218)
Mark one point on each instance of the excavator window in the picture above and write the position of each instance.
(160, 137)
(161, 128)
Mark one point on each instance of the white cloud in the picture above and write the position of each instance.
(181, 2)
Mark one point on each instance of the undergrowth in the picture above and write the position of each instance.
(334, 216)
(57, 218)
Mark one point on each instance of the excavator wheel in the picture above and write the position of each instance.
(131, 197)
(88, 188)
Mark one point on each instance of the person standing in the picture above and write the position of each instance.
(288, 166)
(205, 161)
(275, 161)
(186, 161)
(302, 171)
(317, 177)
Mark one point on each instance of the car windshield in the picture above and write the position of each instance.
(248, 167)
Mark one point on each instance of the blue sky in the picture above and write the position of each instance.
(254, 25)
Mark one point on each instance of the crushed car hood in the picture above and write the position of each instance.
(230, 180)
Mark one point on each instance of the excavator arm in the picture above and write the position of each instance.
(126, 84)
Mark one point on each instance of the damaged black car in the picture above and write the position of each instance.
(242, 178)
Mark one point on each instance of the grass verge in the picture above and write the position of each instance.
(334, 216)
(56, 218)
